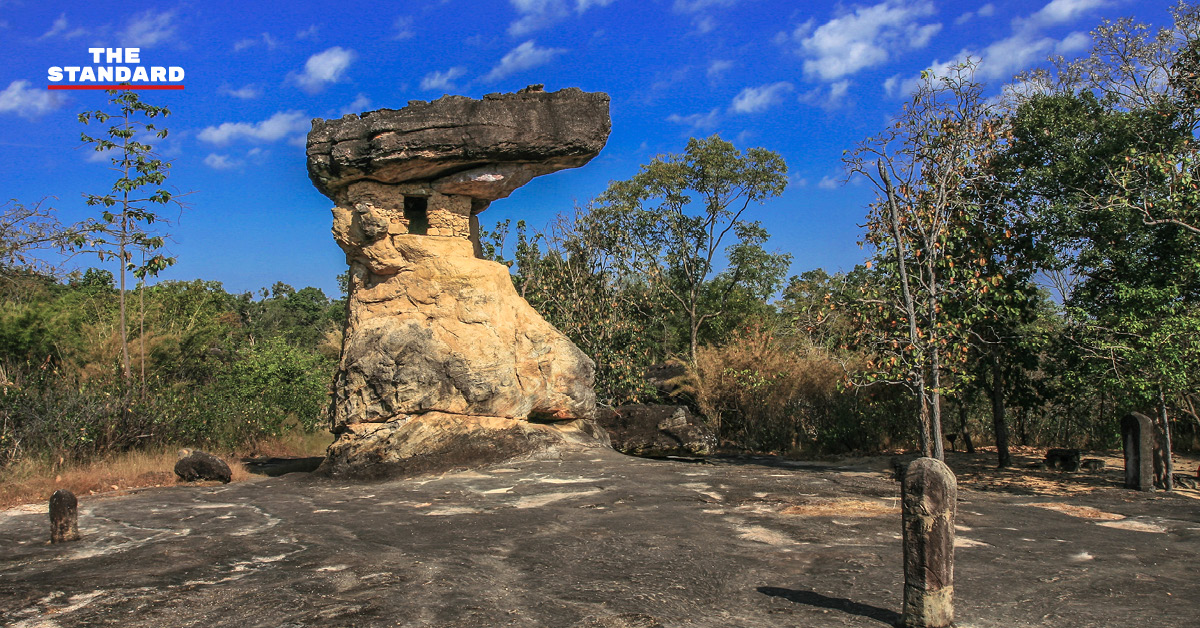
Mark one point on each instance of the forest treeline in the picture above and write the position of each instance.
(1033, 268)
(1032, 274)
(211, 369)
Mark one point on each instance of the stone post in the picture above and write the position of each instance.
(1137, 434)
(929, 492)
(64, 517)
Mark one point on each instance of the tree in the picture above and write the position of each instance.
(928, 169)
(124, 231)
(27, 230)
(1106, 154)
(656, 233)
(569, 276)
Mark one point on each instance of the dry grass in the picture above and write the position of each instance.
(1083, 512)
(34, 480)
(978, 471)
(846, 507)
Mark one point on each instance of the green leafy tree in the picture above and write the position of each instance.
(928, 169)
(670, 224)
(128, 212)
(1105, 156)
(570, 278)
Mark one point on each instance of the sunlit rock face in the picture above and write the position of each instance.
(438, 341)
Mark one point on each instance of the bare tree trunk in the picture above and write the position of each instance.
(1168, 464)
(1003, 458)
(939, 450)
(962, 426)
(142, 326)
(695, 329)
(125, 374)
(910, 308)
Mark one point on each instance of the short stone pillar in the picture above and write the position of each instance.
(929, 492)
(64, 517)
(1139, 434)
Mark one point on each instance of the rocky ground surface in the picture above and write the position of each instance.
(601, 540)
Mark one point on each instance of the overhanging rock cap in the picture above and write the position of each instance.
(540, 131)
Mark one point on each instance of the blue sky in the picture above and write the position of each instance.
(806, 79)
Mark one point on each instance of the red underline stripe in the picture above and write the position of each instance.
(114, 87)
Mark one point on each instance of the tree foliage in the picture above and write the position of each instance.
(125, 229)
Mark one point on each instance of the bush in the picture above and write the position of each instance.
(268, 389)
(765, 393)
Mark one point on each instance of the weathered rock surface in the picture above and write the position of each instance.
(656, 430)
(449, 333)
(441, 355)
(542, 131)
(435, 442)
(195, 465)
(594, 541)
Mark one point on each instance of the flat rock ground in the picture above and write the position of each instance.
(597, 540)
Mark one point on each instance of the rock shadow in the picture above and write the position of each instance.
(812, 598)
(274, 467)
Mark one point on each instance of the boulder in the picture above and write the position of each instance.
(656, 430)
(540, 131)
(195, 465)
(666, 377)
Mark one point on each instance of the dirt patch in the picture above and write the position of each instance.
(1136, 526)
(1083, 512)
(846, 507)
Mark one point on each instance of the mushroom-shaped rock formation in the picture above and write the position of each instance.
(443, 364)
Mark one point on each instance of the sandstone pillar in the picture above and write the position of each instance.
(1138, 435)
(443, 364)
(928, 494)
(64, 517)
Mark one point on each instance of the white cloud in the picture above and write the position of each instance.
(695, 6)
(761, 98)
(442, 80)
(148, 28)
(1063, 11)
(28, 102)
(697, 120)
(247, 92)
(584, 5)
(61, 28)
(221, 162)
(523, 57)
(986, 10)
(828, 183)
(308, 33)
(828, 98)
(863, 38)
(1074, 42)
(265, 39)
(277, 127)
(717, 68)
(324, 68)
(360, 104)
(402, 27)
(1024, 47)
(837, 91)
(539, 14)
